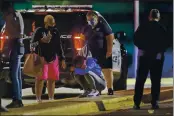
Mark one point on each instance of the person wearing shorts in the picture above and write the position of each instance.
(47, 44)
(100, 39)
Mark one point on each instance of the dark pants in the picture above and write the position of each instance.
(15, 69)
(145, 64)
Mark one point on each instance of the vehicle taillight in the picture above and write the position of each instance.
(78, 42)
(77, 37)
(2, 41)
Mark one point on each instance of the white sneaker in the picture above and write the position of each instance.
(38, 100)
(51, 99)
(94, 93)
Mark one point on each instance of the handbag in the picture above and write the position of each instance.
(33, 65)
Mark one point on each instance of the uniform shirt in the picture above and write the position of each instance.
(151, 38)
(14, 25)
(97, 36)
(91, 66)
(51, 49)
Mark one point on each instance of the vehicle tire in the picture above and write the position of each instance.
(121, 83)
(43, 91)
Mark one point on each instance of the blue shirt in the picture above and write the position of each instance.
(91, 65)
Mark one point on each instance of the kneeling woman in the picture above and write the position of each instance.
(89, 75)
(48, 43)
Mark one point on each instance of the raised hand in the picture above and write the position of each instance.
(63, 64)
(49, 35)
(47, 39)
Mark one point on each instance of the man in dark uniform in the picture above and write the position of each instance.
(151, 40)
(100, 41)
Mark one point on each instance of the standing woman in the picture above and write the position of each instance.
(47, 42)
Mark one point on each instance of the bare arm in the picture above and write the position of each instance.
(109, 39)
(107, 31)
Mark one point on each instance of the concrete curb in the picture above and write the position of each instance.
(80, 107)
(164, 95)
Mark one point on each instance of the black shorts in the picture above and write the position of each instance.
(103, 61)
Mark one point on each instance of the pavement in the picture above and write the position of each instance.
(61, 93)
(80, 106)
(166, 109)
(165, 82)
(67, 102)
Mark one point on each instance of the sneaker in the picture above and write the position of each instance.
(93, 93)
(110, 91)
(85, 94)
(15, 104)
(38, 100)
(51, 99)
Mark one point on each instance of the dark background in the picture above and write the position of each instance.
(120, 16)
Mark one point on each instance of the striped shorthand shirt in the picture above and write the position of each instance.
(14, 25)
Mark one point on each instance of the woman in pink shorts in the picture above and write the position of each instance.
(47, 44)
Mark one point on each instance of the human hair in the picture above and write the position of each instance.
(6, 6)
(78, 61)
(49, 20)
(155, 14)
(92, 13)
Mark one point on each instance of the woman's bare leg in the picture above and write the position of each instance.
(38, 89)
(51, 89)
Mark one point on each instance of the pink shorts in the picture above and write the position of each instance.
(50, 71)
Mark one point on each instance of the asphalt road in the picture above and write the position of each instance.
(61, 93)
(166, 109)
